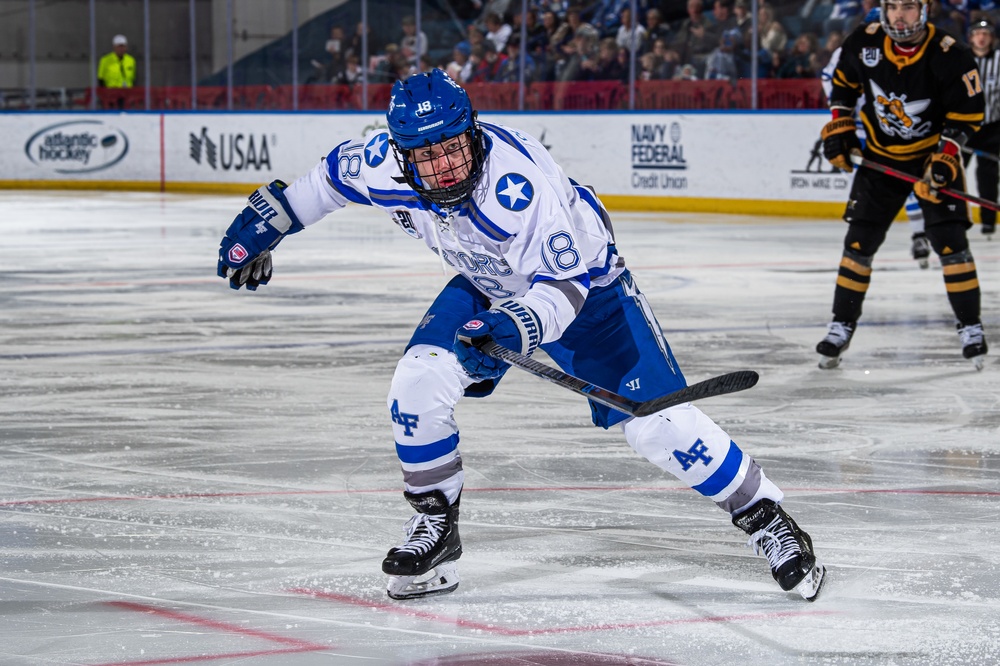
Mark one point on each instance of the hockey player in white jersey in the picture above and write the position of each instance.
(537, 267)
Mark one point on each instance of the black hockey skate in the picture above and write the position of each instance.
(973, 344)
(921, 249)
(837, 340)
(787, 548)
(988, 229)
(425, 564)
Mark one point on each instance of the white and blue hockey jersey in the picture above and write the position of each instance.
(527, 232)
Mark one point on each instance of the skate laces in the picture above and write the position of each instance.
(423, 531)
(777, 541)
(971, 334)
(839, 333)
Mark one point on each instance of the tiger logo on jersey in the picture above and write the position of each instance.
(899, 117)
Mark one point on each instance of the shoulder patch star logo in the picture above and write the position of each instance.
(514, 192)
(376, 150)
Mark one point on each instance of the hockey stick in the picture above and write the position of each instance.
(902, 175)
(981, 153)
(728, 383)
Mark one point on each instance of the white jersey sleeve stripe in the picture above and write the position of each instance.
(574, 291)
(388, 198)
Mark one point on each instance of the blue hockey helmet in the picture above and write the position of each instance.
(427, 109)
(874, 15)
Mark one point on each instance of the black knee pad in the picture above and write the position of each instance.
(948, 239)
(864, 238)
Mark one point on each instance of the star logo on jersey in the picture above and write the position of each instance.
(376, 150)
(514, 192)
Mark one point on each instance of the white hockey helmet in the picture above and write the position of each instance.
(905, 34)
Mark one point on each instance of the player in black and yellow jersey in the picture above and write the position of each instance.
(923, 100)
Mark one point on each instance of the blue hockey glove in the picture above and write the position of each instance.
(510, 324)
(263, 223)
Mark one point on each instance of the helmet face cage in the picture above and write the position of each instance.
(471, 156)
(431, 109)
(908, 32)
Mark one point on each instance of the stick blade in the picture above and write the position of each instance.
(721, 385)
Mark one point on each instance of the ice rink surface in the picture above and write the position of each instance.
(197, 475)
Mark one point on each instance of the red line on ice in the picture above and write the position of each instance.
(294, 645)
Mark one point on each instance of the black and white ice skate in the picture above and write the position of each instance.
(837, 340)
(426, 562)
(787, 548)
(973, 344)
(921, 249)
(988, 229)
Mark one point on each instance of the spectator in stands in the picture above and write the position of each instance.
(533, 27)
(844, 14)
(686, 73)
(117, 68)
(351, 73)
(580, 48)
(605, 15)
(391, 66)
(851, 24)
(721, 63)
(655, 29)
(488, 62)
(474, 35)
(460, 63)
(604, 65)
(510, 71)
(412, 45)
(725, 19)
(800, 63)
(374, 45)
(772, 34)
(832, 43)
(649, 66)
(627, 38)
(670, 60)
(499, 7)
(328, 70)
(497, 32)
(741, 10)
(948, 19)
(557, 7)
(744, 59)
(695, 38)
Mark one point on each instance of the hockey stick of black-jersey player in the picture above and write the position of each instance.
(955, 194)
(728, 383)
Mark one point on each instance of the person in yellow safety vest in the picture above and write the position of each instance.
(117, 69)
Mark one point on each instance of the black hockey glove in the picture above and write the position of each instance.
(942, 170)
(840, 141)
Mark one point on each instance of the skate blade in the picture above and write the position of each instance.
(828, 362)
(813, 582)
(923, 263)
(978, 362)
(442, 579)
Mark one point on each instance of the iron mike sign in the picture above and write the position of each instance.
(77, 146)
